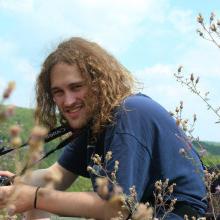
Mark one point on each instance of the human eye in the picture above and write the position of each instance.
(76, 87)
(56, 93)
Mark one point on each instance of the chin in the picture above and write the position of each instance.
(77, 124)
(80, 122)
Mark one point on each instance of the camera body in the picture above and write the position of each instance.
(5, 181)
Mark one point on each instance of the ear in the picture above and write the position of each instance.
(54, 100)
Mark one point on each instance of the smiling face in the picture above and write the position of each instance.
(69, 91)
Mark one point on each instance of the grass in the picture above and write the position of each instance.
(211, 160)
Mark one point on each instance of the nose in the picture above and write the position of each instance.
(69, 99)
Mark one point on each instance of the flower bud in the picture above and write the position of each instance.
(178, 122)
(38, 132)
(213, 27)
(200, 18)
(180, 69)
(15, 130)
(199, 32)
(181, 104)
(89, 168)
(9, 89)
(177, 110)
(182, 151)
(16, 142)
(194, 117)
(212, 17)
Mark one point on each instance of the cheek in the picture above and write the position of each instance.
(57, 101)
(83, 93)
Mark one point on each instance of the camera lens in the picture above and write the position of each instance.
(5, 181)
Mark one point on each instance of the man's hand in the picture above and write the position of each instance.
(6, 178)
(17, 198)
(6, 173)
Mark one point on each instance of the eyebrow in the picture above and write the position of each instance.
(69, 85)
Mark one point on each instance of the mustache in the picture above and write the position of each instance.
(72, 107)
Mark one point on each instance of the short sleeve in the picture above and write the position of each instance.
(74, 156)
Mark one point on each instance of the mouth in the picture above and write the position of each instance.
(75, 109)
(73, 112)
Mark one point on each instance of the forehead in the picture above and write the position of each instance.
(63, 74)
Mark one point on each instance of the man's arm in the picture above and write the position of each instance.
(40, 178)
(77, 204)
(62, 177)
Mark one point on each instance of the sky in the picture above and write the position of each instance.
(150, 38)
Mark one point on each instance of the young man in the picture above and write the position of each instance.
(93, 94)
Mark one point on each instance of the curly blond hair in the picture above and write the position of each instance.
(107, 79)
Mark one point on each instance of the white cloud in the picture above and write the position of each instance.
(25, 70)
(203, 58)
(158, 74)
(17, 6)
(182, 20)
(19, 66)
(159, 83)
(115, 24)
(6, 47)
(162, 70)
(2, 82)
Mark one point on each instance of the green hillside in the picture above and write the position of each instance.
(23, 117)
(212, 156)
(212, 147)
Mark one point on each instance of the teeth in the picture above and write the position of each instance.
(74, 110)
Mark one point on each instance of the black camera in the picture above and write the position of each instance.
(5, 181)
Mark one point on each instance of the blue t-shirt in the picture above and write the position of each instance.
(145, 140)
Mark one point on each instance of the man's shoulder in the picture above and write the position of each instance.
(142, 109)
(136, 100)
(136, 97)
(142, 103)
